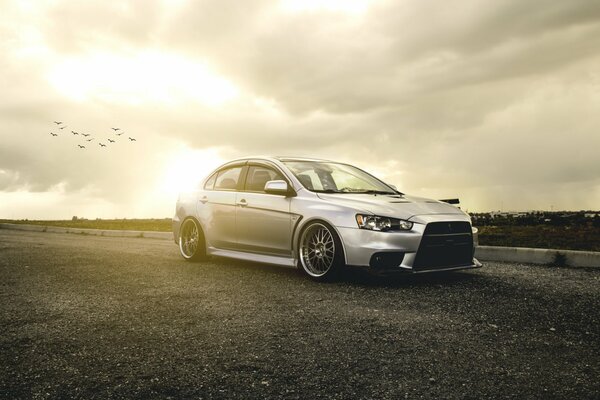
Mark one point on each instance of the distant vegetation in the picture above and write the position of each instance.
(535, 218)
(556, 230)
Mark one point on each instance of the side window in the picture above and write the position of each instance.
(210, 183)
(258, 176)
(227, 179)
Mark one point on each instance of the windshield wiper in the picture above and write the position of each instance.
(346, 191)
(327, 191)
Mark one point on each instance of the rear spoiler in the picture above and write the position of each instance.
(451, 201)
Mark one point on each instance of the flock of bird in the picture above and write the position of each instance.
(88, 136)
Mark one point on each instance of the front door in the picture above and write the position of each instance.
(263, 220)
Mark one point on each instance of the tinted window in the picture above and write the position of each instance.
(227, 179)
(210, 182)
(258, 176)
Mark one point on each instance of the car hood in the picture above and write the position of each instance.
(397, 206)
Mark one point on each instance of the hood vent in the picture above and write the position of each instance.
(396, 196)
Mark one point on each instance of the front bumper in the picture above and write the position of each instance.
(392, 251)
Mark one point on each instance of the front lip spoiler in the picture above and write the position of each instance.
(475, 265)
(408, 270)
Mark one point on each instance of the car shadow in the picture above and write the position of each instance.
(359, 276)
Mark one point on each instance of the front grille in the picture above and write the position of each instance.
(447, 228)
(445, 245)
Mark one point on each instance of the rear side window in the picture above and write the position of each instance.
(210, 183)
(227, 179)
(258, 176)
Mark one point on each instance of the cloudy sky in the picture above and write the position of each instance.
(495, 102)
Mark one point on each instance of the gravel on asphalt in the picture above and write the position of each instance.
(97, 317)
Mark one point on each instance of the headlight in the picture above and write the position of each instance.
(376, 223)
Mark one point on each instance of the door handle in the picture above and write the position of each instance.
(204, 199)
(242, 203)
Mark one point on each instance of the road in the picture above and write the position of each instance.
(97, 317)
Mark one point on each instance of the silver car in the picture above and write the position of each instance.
(319, 216)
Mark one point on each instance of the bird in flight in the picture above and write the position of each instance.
(74, 133)
(61, 127)
(132, 139)
(81, 147)
(102, 144)
(89, 140)
(58, 122)
(110, 140)
(86, 134)
(119, 134)
(116, 129)
(53, 134)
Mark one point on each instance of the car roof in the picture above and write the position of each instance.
(278, 158)
(300, 159)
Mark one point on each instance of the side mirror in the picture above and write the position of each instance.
(277, 187)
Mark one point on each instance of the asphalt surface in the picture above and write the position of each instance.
(96, 317)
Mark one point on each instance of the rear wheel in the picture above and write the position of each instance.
(321, 255)
(191, 241)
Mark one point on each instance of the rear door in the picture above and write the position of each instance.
(264, 223)
(217, 207)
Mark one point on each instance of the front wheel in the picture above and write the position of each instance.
(321, 255)
(191, 241)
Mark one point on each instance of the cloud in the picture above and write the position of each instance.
(442, 99)
(393, 54)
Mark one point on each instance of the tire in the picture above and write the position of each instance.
(320, 252)
(191, 241)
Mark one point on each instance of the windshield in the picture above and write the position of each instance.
(328, 177)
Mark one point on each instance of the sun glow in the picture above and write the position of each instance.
(148, 76)
(186, 168)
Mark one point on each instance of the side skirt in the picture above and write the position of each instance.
(254, 257)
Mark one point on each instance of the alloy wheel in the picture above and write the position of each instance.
(317, 251)
(188, 241)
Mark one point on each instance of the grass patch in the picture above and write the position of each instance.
(156, 225)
